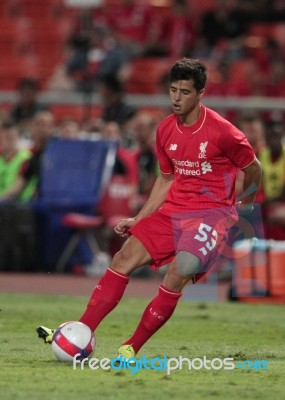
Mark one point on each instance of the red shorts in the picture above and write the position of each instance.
(200, 232)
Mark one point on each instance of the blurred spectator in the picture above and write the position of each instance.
(178, 31)
(144, 135)
(69, 129)
(12, 156)
(27, 182)
(107, 56)
(275, 85)
(252, 125)
(27, 104)
(80, 39)
(272, 158)
(131, 22)
(125, 163)
(115, 108)
(123, 185)
(4, 116)
(91, 128)
(224, 27)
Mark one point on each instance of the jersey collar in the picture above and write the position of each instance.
(195, 128)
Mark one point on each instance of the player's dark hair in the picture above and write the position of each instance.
(187, 69)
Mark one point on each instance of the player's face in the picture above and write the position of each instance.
(184, 97)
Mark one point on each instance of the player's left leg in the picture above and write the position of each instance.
(111, 286)
(182, 269)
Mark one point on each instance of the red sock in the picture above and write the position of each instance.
(154, 317)
(106, 295)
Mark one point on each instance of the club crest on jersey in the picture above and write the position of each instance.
(173, 146)
(202, 148)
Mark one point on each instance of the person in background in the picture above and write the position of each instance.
(69, 129)
(178, 30)
(18, 199)
(272, 158)
(132, 23)
(252, 125)
(115, 107)
(79, 41)
(12, 157)
(27, 104)
(224, 27)
(4, 116)
(144, 139)
(125, 163)
(27, 182)
(123, 184)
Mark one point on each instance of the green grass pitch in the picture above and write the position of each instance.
(29, 370)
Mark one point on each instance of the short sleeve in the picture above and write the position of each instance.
(164, 161)
(236, 147)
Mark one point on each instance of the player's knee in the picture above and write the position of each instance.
(173, 280)
(120, 259)
(187, 263)
(124, 262)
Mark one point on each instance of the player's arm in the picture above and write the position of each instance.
(155, 200)
(157, 195)
(251, 183)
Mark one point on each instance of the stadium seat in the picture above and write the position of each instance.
(40, 9)
(113, 206)
(38, 32)
(146, 75)
(17, 67)
(80, 112)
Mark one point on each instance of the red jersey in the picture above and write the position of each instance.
(204, 159)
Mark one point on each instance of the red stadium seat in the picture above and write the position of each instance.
(31, 43)
(146, 75)
(15, 68)
(79, 112)
(259, 32)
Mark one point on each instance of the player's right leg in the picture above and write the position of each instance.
(180, 271)
(110, 288)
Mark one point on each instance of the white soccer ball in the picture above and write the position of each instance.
(71, 338)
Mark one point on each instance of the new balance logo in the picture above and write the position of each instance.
(173, 146)
(206, 167)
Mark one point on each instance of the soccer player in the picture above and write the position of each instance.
(185, 221)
